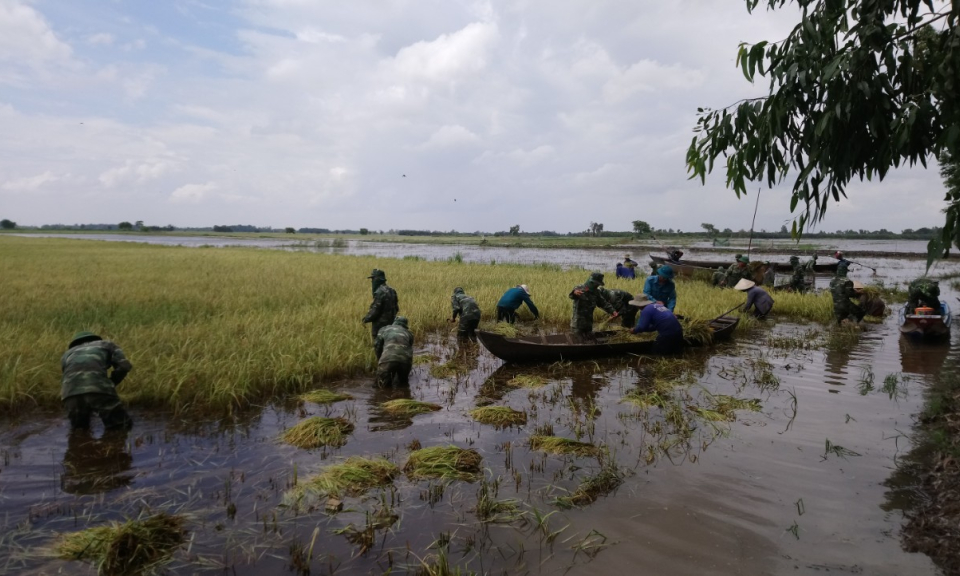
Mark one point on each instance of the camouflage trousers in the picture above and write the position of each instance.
(848, 311)
(390, 373)
(467, 329)
(110, 409)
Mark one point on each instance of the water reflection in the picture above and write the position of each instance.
(379, 419)
(919, 357)
(95, 465)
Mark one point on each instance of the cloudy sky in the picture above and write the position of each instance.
(427, 114)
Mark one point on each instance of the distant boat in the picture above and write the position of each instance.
(926, 325)
(556, 347)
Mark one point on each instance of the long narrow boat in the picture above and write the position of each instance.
(555, 347)
(711, 265)
(926, 325)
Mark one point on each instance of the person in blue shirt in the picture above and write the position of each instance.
(511, 300)
(655, 317)
(660, 287)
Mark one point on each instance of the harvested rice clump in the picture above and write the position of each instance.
(408, 407)
(499, 416)
(352, 477)
(325, 397)
(558, 445)
(131, 547)
(697, 331)
(319, 431)
(527, 381)
(443, 462)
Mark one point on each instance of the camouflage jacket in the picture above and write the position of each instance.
(619, 299)
(923, 291)
(843, 306)
(85, 369)
(735, 273)
(770, 275)
(465, 307)
(394, 344)
(384, 308)
(585, 304)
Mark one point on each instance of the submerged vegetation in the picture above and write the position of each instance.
(319, 431)
(408, 407)
(325, 397)
(132, 547)
(558, 445)
(500, 416)
(352, 477)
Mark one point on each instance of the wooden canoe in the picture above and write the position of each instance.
(555, 347)
(711, 265)
(926, 325)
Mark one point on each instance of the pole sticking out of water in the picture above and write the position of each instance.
(752, 222)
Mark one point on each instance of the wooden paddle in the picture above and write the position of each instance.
(728, 311)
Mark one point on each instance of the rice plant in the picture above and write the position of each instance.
(408, 407)
(558, 445)
(324, 396)
(499, 416)
(527, 381)
(448, 462)
(318, 431)
(352, 477)
(130, 547)
(608, 479)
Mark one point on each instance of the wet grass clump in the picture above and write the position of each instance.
(723, 408)
(325, 397)
(600, 484)
(558, 445)
(319, 431)
(131, 547)
(448, 462)
(644, 399)
(697, 331)
(408, 407)
(489, 509)
(844, 337)
(527, 381)
(499, 416)
(352, 477)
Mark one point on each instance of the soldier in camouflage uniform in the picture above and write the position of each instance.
(843, 307)
(394, 347)
(468, 310)
(385, 307)
(923, 292)
(620, 299)
(719, 277)
(770, 274)
(86, 387)
(798, 281)
(586, 298)
(737, 271)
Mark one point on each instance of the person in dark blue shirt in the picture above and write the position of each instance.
(511, 300)
(655, 317)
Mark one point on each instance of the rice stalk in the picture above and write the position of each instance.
(608, 479)
(324, 396)
(558, 445)
(449, 462)
(499, 416)
(352, 477)
(130, 547)
(408, 407)
(318, 431)
(527, 381)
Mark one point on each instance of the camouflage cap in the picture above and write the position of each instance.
(83, 338)
(458, 290)
(401, 321)
(597, 277)
(377, 273)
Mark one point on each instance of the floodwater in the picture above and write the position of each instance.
(802, 486)
(893, 271)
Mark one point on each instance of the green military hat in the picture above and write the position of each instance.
(597, 277)
(82, 338)
(401, 321)
(744, 259)
(377, 273)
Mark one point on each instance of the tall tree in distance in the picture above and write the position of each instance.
(858, 87)
(640, 227)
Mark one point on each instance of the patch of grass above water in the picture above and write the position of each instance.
(558, 445)
(131, 547)
(499, 416)
(324, 396)
(608, 479)
(318, 431)
(408, 407)
(448, 462)
(527, 381)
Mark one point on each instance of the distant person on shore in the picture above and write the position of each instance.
(394, 346)
(624, 272)
(469, 312)
(770, 274)
(620, 299)
(511, 300)
(655, 317)
(631, 264)
(757, 298)
(385, 306)
(843, 265)
(587, 298)
(660, 288)
(86, 388)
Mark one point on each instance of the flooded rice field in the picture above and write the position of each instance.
(776, 453)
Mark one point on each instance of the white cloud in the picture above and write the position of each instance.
(101, 39)
(449, 136)
(650, 76)
(191, 193)
(29, 183)
(25, 36)
(134, 172)
(449, 57)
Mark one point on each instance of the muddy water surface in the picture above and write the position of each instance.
(801, 486)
